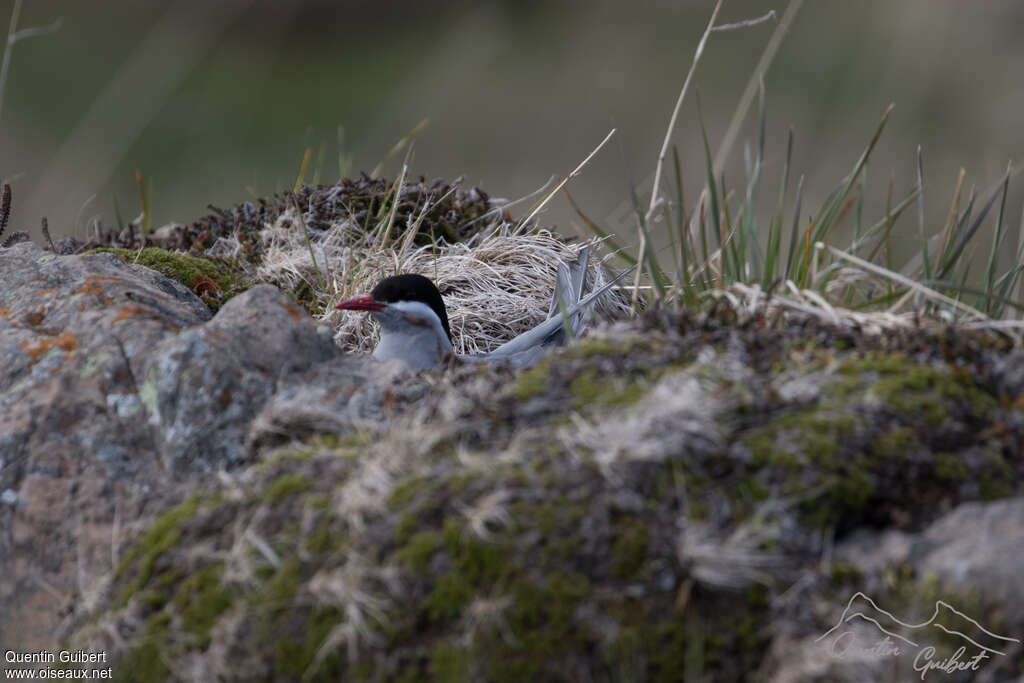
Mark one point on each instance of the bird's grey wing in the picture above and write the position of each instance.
(537, 335)
(578, 275)
(568, 292)
(563, 291)
(562, 298)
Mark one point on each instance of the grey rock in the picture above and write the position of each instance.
(202, 387)
(119, 387)
(977, 547)
(344, 395)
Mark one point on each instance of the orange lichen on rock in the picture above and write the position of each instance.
(65, 341)
(295, 312)
(128, 312)
(94, 285)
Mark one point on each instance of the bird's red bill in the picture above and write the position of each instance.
(361, 303)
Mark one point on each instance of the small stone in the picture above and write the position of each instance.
(9, 497)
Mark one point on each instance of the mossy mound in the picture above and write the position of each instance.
(212, 280)
(626, 510)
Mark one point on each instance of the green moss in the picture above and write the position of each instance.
(191, 271)
(295, 656)
(283, 459)
(899, 442)
(147, 661)
(142, 663)
(592, 389)
(477, 567)
(923, 391)
(279, 590)
(540, 616)
(406, 491)
(810, 435)
(593, 346)
(417, 552)
(844, 573)
(323, 539)
(285, 486)
(533, 382)
(163, 535)
(479, 562)
(318, 501)
(448, 598)
(449, 663)
(406, 526)
(630, 549)
(153, 599)
(461, 483)
(950, 467)
(997, 479)
(347, 444)
(200, 600)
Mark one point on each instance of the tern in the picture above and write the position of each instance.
(414, 321)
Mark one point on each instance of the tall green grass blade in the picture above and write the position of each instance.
(299, 182)
(319, 163)
(999, 300)
(394, 196)
(705, 262)
(730, 241)
(859, 223)
(997, 242)
(309, 242)
(712, 190)
(647, 247)
(959, 226)
(965, 237)
(1019, 268)
(399, 146)
(772, 252)
(751, 245)
(920, 217)
(1005, 285)
(303, 167)
(833, 207)
(683, 261)
(796, 227)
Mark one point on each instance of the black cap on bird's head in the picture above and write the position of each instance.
(406, 287)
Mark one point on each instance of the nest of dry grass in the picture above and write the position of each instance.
(496, 284)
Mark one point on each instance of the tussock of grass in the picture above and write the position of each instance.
(721, 246)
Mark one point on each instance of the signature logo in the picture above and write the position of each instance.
(865, 631)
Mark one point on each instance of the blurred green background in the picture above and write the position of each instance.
(215, 102)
